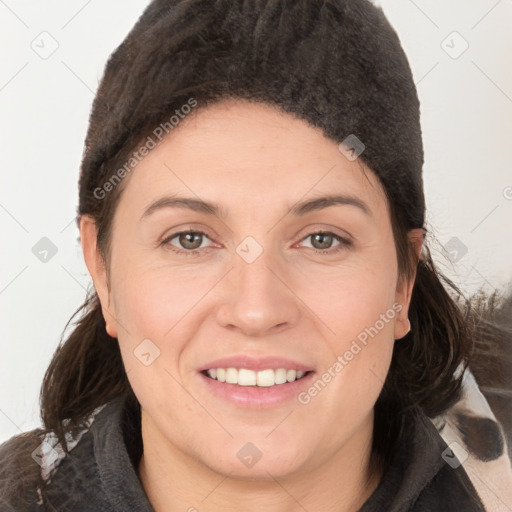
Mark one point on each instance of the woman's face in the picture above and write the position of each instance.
(257, 291)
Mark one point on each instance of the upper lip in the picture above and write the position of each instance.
(255, 363)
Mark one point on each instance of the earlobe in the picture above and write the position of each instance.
(404, 290)
(403, 297)
(97, 270)
(402, 327)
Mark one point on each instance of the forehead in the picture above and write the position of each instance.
(238, 148)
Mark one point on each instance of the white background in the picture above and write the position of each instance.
(466, 107)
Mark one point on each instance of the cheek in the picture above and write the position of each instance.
(355, 365)
(153, 338)
(353, 301)
(164, 307)
(356, 309)
(154, 300)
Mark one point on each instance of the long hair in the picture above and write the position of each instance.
(211, 50)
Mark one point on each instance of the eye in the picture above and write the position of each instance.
(322, 242)
(189, 241)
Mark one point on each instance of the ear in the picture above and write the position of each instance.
(405, 286)
(97, 269)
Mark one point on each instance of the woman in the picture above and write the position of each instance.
(268, 330)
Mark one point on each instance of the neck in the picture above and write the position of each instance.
(176, 481)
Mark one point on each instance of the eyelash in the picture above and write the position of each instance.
(344, 243)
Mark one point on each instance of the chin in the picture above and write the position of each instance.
(248, 463)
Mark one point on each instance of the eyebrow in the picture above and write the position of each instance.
(298, 209)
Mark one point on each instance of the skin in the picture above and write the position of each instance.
(256, 162)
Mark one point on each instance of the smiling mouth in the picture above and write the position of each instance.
(262, 378)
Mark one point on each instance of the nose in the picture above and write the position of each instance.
(258, 298)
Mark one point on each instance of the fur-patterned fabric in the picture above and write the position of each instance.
(478, 441)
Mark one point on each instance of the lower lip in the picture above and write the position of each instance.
(258, 397)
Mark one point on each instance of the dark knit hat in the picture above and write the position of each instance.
(338, 64)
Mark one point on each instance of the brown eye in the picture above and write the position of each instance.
(190, 240)
(186, 242)
(322, 240)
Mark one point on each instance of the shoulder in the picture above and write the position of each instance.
(20, 471)
(444, 483)
(419, 476)
(450, 489)
(38, 474)
(476, 441)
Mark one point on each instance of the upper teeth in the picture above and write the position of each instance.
(263, 378)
